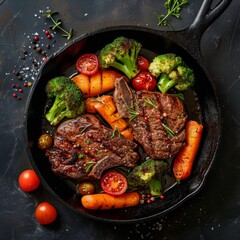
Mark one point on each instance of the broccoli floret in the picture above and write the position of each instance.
(68, 100)
(172, 72)
(148, 175)
(121, 54)
(155, 187)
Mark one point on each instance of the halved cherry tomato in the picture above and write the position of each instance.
(87, 63)
(114, 183)
(45, 213)
(28, 180)
(142, 63)
(144, 81)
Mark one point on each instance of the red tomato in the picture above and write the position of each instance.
(87, 64)
(28, 180)
(114, 183)
(144, 81)
(143, 63)
(45, 213)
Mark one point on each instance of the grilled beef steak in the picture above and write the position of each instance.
(157, 120)
(84, 148)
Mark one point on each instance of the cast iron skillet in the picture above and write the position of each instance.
(185, 43)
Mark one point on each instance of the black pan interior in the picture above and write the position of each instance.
(62, 62)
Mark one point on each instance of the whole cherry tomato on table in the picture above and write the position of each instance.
(45, 213)
(28, 180)
(143, 63)
(87, 63)
(144, 81)
(114, 183)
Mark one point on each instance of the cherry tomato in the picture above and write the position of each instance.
(45, 141)
(87, 64)
(143, 63)
(86, 188)
(45, 213)
(144, 81)
(28, 180)
(114, 183)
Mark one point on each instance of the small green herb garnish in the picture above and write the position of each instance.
(173, 8)
(89, 166)
(80, 156)
(133, 114)
(150, 102)
(87, 141)
(98, 99)
(83, 130)
(116, 131)
(168, 130)
(57, 24)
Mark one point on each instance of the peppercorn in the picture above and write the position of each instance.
(38, 49)
(20, 77)
(36, 38)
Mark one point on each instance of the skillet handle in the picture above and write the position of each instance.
(206, 16)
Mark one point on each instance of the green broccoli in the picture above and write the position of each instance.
(148, 175)
(68, 100)
(121, 54)
(173, 72)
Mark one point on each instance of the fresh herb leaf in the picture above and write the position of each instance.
(150, 102)
(116, 130)
(83, 130)
(88, 141)
(57, 24)
(168, 130)
(80, 156)
(133, 114)
(89, 166)
(173, 8)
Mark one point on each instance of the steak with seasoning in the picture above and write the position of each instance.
(84, 149)
(157, 120)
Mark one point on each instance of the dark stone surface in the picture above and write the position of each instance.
(212, 214)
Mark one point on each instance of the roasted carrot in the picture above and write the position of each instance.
(182, 165)
(103, 201)
(105, 106)
(100, 82)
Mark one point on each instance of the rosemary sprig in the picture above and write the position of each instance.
(173, 8)
(116, 131)
(133, 114)
(168, 130)
(85, 128)
(150, 102)
(57, 24)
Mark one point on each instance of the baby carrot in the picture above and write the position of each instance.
(103, 201)
(182, 165)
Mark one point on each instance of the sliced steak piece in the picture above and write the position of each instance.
(149, 115)
(84, 148)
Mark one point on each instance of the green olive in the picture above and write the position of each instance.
(86, 188)
(45, 141)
